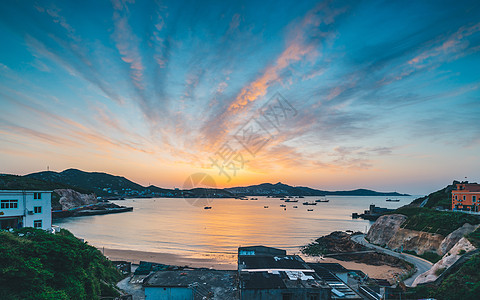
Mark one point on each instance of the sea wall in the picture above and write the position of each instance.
(70, 198)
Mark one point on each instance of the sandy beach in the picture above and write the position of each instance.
(384, 272)
(166, 258)
(378, 272)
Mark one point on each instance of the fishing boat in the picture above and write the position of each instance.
(265, 206)
(253, 198)
(393, 200)
(310, 209)
(295, 206)
(283, 205)
(322, 200)
(291, 200)
(301, 197)
(309, 203)
(207, 207)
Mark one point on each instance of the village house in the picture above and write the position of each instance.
(25, 209)
(466, 196)
(269, 273)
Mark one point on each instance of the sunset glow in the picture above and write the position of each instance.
(385, 94)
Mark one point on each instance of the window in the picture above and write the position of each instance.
(37, 195)
(37, 209)
(9, 204)
(464, 197)
(474, 198)
(37, 224)
(456, 198)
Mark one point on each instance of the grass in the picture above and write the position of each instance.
(463, 284)
(441, 198)
(474, 238)
(439, 271)
(430, 256)
(433, 221)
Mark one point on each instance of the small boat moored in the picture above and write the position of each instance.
(393, 200)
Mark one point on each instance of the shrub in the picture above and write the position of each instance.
(35, 264)
(439, 271)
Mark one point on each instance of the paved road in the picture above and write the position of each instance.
(421, 264)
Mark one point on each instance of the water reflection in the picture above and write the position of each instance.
(171, 225)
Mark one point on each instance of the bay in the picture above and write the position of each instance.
(174, 225)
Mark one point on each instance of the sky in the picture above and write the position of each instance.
(328, 94)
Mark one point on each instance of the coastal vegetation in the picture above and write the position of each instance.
(474, 238)
(35, 264)
(441, 198)
(434, 221)
(432, 257)
(462, 284)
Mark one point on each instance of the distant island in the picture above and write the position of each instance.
(266, 189)
(116, 187)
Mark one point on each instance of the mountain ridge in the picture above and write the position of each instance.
(104, 184)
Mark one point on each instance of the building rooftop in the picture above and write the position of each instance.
(332, 267)
(222, 284)
(340, 290)
(468, 187)
(260, 250)
(281, 280)
(271, 262)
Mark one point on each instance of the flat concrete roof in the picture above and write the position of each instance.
(223, 284)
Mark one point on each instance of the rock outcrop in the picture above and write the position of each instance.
(451, 239)
(386, 231)
(460, 248)
(70, 198)
(413, 240)
(385, 228)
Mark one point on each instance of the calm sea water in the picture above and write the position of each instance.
(173, 225)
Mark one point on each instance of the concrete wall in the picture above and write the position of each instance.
(26, 207)
(168, 293)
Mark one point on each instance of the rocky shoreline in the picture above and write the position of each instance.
(75, 204)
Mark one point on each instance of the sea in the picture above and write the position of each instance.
(184, 227)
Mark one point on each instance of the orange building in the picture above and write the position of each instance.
(466, 196)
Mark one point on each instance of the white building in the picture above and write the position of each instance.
(25, 209)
